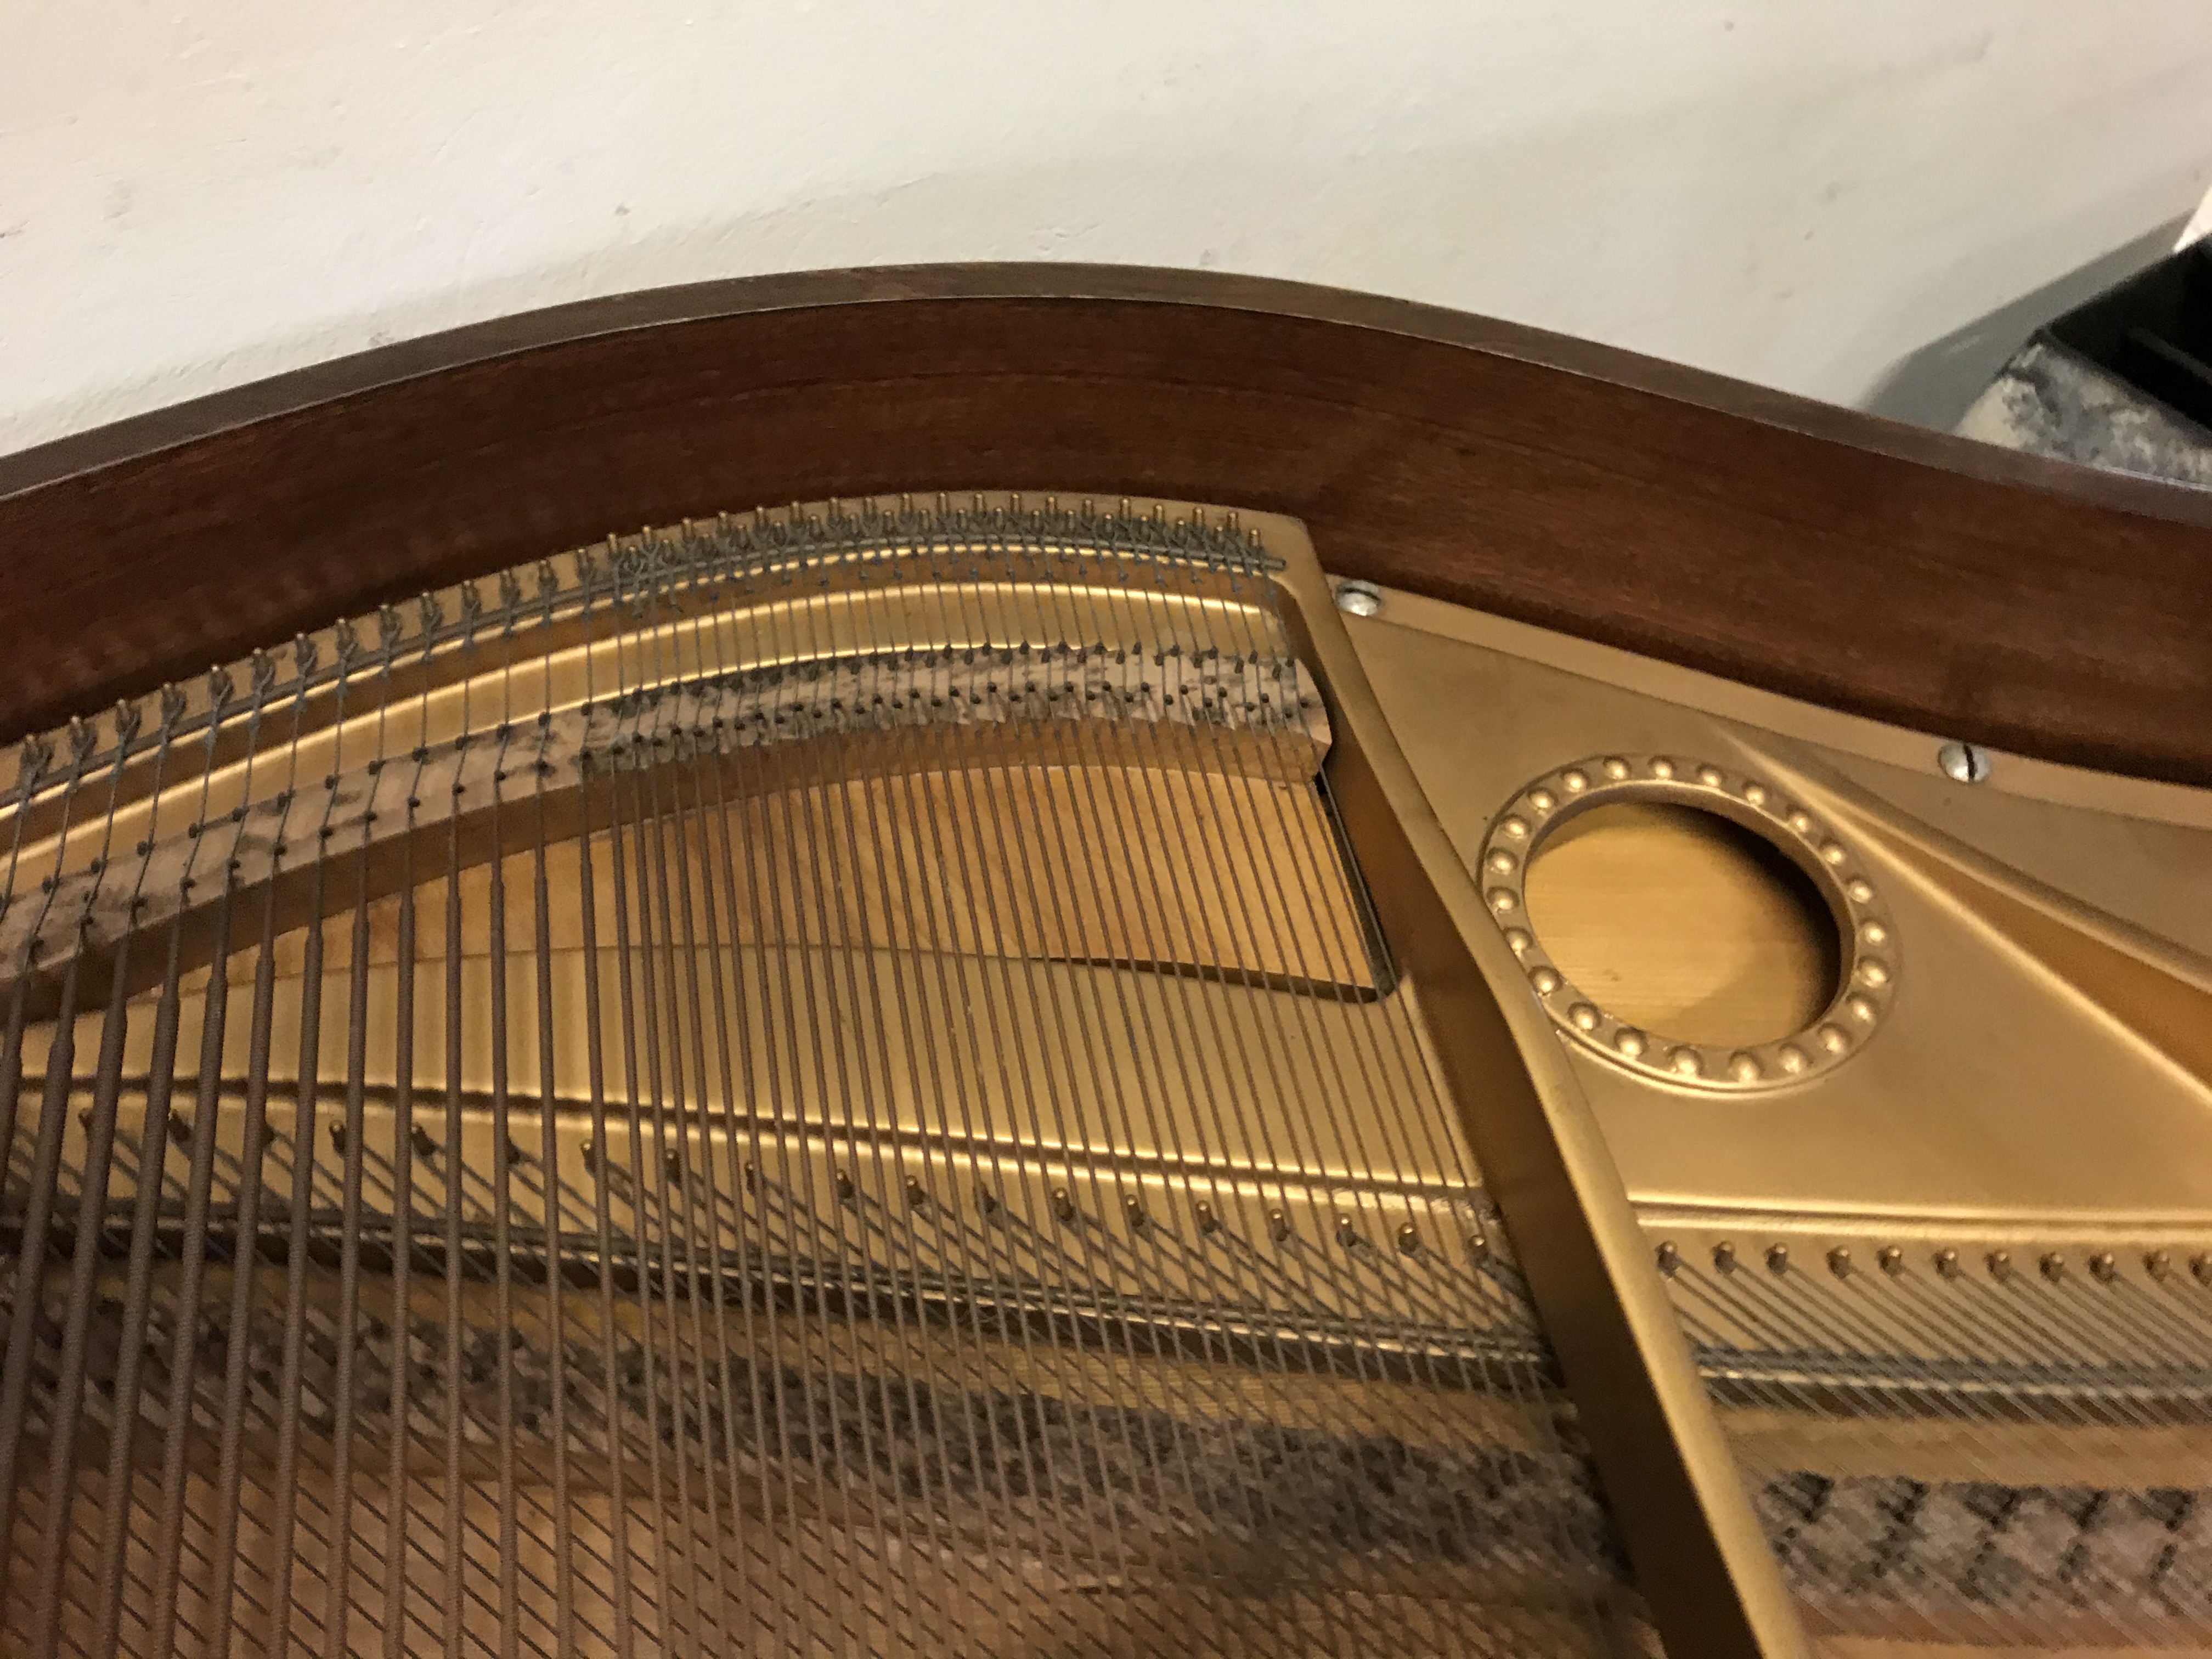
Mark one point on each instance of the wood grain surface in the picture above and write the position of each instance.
(1829, 556)
(1685, 924)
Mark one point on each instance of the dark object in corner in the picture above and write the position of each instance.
(2154, 332)
(2123, 381)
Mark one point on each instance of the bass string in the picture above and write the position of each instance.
(246, 1252)
(914, 1602)
(769, 1406)
(1277, 1160)
(27, 1290)
(653, 1178)
(178, 1416)
(1040, 829)
(1417, 1130)
(623, 1549)
(1052, 1535)
(1051, 1070)
(757, 1312)
(1041, 1027)
(1175, 1463)
(60, 1484)
(669, 979)
(404, 1530)
(906, 829)
(667, 1492)
(111, 1575)
(338, 1603)
(863, 1182)
(565, 1519)
(1324, 1056)
(859, 1181)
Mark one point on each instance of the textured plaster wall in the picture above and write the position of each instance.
(1802, 192)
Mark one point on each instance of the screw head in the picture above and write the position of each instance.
(1963, 762)
(1358, 599)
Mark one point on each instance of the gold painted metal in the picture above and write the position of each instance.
(1870, 954)
(1682, 922)
(1939, 1279)
(1701, 1557)
(2010, 1005)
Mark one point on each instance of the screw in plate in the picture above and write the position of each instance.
(1358, 599)
(1963, 762)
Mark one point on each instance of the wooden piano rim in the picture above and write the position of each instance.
(1905, 575)
(1822, 554)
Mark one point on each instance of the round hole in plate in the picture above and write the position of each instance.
(1686, 923)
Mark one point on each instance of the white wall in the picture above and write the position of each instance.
(1798, 191)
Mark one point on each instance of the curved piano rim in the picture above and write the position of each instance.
(1900, 576)
(1906, 575)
